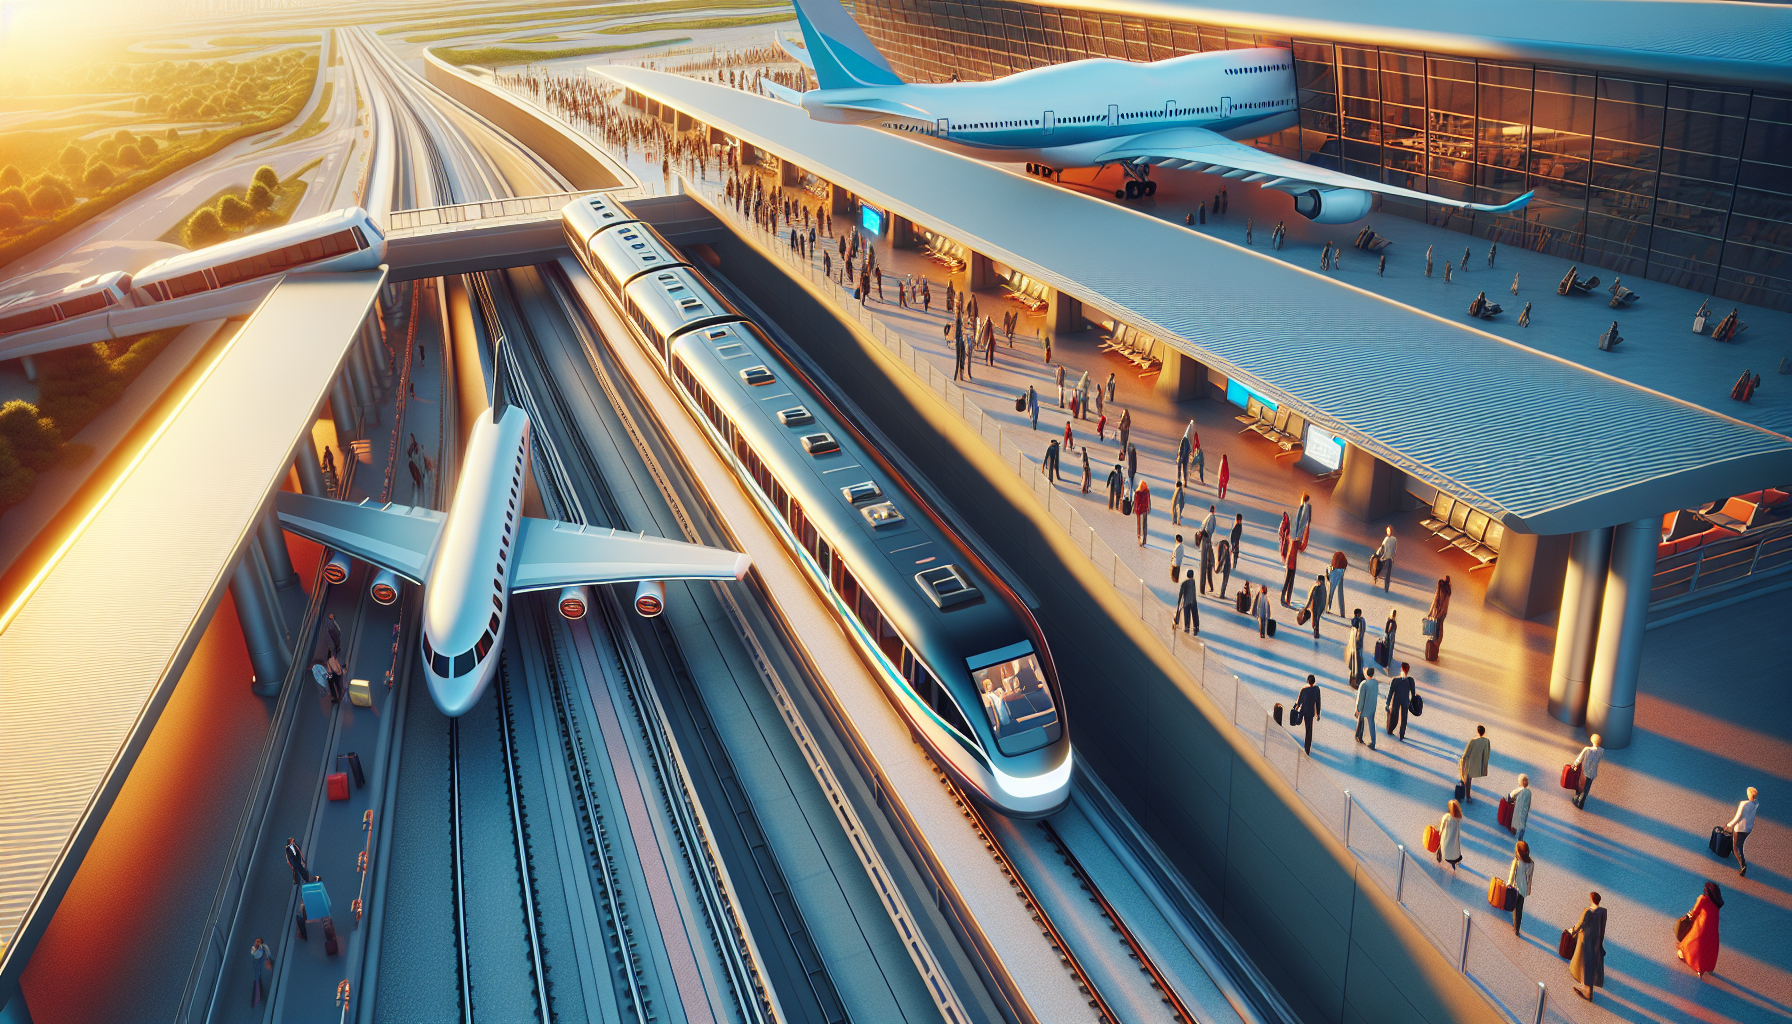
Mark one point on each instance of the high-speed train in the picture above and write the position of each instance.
(339, 240)
(956, 650)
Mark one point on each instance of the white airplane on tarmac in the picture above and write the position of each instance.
(1182, 113)
(475, 558)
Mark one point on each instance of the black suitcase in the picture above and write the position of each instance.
(1418, 705)
(300, 922)
(354, 767)
(1020, 404)
(1126, 504)
(1461, 791)
(1272, 627)
(330, 946)
(1244, 601)
(1278, 712)
(1721, 841)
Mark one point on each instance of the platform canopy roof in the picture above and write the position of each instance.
(1543, 444)
(91, 649)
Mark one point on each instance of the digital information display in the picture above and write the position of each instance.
(1324, 448)
(871, 218)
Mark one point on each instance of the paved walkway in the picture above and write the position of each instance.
(1641, 839)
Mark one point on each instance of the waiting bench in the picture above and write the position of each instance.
(1134, 346)
(1029, 293)
(1466, 528)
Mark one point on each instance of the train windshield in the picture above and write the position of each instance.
(1015, 698)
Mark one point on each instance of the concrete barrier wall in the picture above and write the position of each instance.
(1336, 947)
(549, 139)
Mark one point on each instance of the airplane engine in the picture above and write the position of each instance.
(385, 587)
(336, 569)
(650, 598)
(1333, 205)
(574, 601)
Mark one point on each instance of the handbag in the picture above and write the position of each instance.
(1020, 404)
(1681, 927)
(1496, 894)
(1428, 627)
(1418, 705)
(1571, 776)
(1301, 617)
(1295, 716)
(1433, 838)
(1374, 566)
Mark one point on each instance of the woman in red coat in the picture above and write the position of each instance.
(1699, 946)
(1225, 475)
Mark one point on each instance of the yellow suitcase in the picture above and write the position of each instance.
(360, 694)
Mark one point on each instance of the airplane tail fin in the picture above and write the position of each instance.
(797, 51)
(843, 55)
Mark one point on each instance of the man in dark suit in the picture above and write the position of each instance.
(1188, 609)
(1400, 692)
(295, 859)
(1308, 703)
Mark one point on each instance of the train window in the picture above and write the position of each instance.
(1016, 700)
(944, 706)
(889, 642)
(439, 664)
(780, 498)
(483, 647)
(845, 584)
(360, 239)
(856, 493)
(429, 649)
(186, 284)
(757, 376)
(820, 444)
(796, 417)
(463, 663)
(494, 622)
(881, 514)
(84, 304)
(27, 320)
(497, 603)
(866, 610)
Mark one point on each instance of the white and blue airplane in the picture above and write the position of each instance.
(1182, 113)
(475, 558)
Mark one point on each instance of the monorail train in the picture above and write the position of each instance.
(956, 650)
(338, 240)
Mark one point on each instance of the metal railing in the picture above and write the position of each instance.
(1476, 952)
(1727, 561)
(411, 221)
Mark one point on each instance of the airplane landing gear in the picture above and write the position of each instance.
(1140, 184)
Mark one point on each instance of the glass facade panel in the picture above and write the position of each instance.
(1681, 182)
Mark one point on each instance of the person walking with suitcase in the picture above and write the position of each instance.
(1032, 407)
(1742, 824)
(1225, 476)
(1293, 557)
(1205, 544)
(262, 956)
(1587, 967)
(1308, 703)
(1401, 690)
(1449, 827)
(1088, 472)
(1588, 763)
(1521, 806)
(1440, 609)
(1518, 882)
(1697, 932)
(1386, 554)
(1237, 538)
(1315, 608)
(1183, 449)
(1260, 609)
(1050, 466)
(1473, 764)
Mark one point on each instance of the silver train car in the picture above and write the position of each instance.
(339, 240)
(956, 650)
(92, 295)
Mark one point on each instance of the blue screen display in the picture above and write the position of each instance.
(871, 218)
(1241, 396)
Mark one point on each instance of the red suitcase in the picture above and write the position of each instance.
(337, 783)
(1431, 649)
(1571, 776)
(1506, 813)
(1565, 945)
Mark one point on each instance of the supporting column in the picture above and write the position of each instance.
(1063, 313)
(1577, 627)
(903, 233)
(1182, 379)
(1368, 487)
(355, 365)
(273, 544)
(789, 173)
(982, 272)
(682, 123)
(1527, 580)
(342, 411)
(311, 475)
(1611, 696)
(259, 632)
(839, 200)
(30, 366)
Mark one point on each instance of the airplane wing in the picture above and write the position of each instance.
(551, 555)
(778, 92)
(1198, 149)
(401, 538)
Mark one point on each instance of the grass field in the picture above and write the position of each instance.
(500, 56)
(313, 124)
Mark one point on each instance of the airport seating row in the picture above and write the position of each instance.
(945, 257)
(1134, 346)
(1282, 427)
(1466, 528)
(1032, 294)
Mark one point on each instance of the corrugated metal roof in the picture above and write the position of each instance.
(89, 653)
(1547, 445)
(1742, 43)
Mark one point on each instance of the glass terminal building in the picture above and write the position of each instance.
(1672, 179)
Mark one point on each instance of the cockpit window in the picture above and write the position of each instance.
(1015, 698)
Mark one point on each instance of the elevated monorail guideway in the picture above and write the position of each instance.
(91, 649)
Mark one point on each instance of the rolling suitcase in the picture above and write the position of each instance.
(1721, 842)
(1418, 705)
(1432, 838)
(1571, 776)
(1496, 894)
(1244, 602)
(337, 785)
(1461, 792)
(316, 899)
(330, 946)
(1565, 945)
(1278, 712)
(1431, 648)
(1126, 504)
(1506, 813)
(298, 921)
(354, 767)
(1272, 628)
(360, 694)
(1381, 653)
(1295, 716)
(1020, 404)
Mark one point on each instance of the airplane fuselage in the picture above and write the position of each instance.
(1068, 115)
(468, 597)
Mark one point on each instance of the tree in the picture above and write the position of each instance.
(204, 228)
(234, 213)
(148, 145)
(130, 156)
(99, 175)
(35, 439)
(48, 199)
(15, 478)
(266, 175)
(73, 157)
(11, 177)
(10, 217)
(15, 197)
(260, 197)
(172, 135)
(208, 111)
(123, 137)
